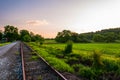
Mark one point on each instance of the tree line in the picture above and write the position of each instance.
(106, 35)
(11, 33)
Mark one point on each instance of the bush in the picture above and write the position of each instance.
(118, 71)
(68, 48)
(97, 62)
(86, 72)
(111, 65)
(72, 60)
(77, 67)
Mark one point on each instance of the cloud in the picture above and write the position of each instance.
(37, 22)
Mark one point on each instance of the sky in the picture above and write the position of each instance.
(48, 17)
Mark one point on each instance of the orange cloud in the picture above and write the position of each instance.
(37, 22)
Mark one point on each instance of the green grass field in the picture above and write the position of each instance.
(107, 49)
(81, 61)
(2, 44)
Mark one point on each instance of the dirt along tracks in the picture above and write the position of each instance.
(10, 62)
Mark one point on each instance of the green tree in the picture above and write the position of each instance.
(110, 37)
(1, 35)
(32, 36)
(23, 33)
(67, 35)
(63, 36)
(11, 33)
(75, 37)
(27, 38)
(83, 38)
(98, 38)
(39, 39)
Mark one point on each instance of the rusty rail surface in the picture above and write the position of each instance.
(23, 68)
(59, 75)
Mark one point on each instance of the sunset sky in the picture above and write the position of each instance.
(47, 17)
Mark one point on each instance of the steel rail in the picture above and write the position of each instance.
(23, 68)
(23, 63)
(58, 73)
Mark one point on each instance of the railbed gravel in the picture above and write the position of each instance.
(10, 63)
(36, 69)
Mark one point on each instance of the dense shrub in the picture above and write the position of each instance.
(97, 62)
(111, 65)
(68, 48)
(86, 72)
(77, 67)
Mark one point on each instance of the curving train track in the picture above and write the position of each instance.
(34, 67)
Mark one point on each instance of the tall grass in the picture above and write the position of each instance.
(97, 60)
(103, 57)
(52, 60)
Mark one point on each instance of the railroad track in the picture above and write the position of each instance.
(35, 67)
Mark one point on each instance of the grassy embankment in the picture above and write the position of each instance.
(83, 59)
(2, 44)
